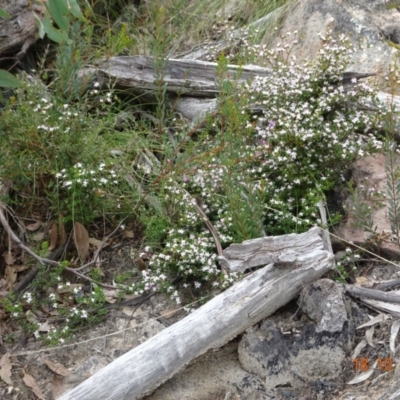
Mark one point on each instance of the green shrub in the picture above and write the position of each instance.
(266, 176)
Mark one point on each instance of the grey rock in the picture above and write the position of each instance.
(309, 352)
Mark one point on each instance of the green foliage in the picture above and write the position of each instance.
(4, 14)
(361, 210)
(393, 188)
(71, 304)
(59, 11)
(392, 167)
(366, 199)
(46, 278)
(156, 229)
(251, 177)
(53, 153)
(9, 80)
(62, 13)
(307, 135)
(343, 275)
(345, 264)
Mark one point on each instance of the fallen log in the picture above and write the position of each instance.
(181, 77)
(292, 249)
(141, 370)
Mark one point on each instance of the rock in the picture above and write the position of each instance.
(368, 23)
(370, 178)
(307, 355)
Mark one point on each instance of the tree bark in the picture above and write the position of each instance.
(20, 31)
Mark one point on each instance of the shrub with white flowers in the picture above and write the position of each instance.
(269, 174)
(189, 250)
(83, 191)
(310, 131)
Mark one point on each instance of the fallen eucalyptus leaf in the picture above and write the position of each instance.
(358, 349)
(364, 375)
(31, 383)
(81, 239)
(394, 330)
(377, 320)
(5, 369)
(369, 333)
(57, 367)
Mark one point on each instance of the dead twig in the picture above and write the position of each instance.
(388, 285)
(210, 227)
(372, 294)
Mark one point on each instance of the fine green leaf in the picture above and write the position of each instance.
(58, 10)
(4, 14)
(74, 9)
(8, 80)
(40, 26)
(54, 34)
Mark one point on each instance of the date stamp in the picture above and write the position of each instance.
(362, 364)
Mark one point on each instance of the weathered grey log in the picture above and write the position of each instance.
(181, 77)
(257, 296)
(292, 249)
(372, 294)
(21, 30)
